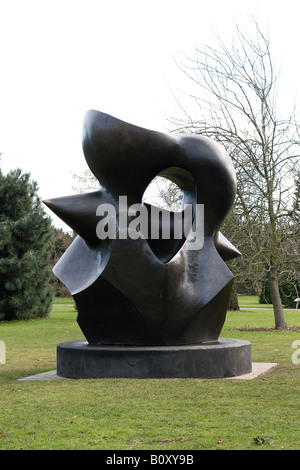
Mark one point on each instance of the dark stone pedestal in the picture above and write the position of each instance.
(220, 359)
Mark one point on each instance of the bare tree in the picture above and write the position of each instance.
(164, 193)
(236, 104)
(85, 181)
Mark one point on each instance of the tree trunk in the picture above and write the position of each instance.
(276, 300)
(233, 300)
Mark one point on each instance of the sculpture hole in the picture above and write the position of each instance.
(163, 193)
(166, 195)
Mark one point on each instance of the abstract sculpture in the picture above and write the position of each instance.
(133, 290)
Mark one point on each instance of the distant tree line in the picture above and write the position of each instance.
(61, 241)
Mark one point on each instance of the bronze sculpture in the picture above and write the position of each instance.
(138, 291)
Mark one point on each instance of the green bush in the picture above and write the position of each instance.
(25, 249)
(288, 293)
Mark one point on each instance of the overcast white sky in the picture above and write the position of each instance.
(60, 58)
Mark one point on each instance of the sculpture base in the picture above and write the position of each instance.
(219, 359)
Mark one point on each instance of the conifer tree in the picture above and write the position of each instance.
(25, 249)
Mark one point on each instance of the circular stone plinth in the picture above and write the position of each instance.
(220, 359)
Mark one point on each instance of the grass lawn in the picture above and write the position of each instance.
(131, 414)
(251, 301)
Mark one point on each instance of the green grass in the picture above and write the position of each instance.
(131, 414)
(251, 301)
(63, 300)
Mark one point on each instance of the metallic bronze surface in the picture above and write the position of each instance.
(148, 291)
